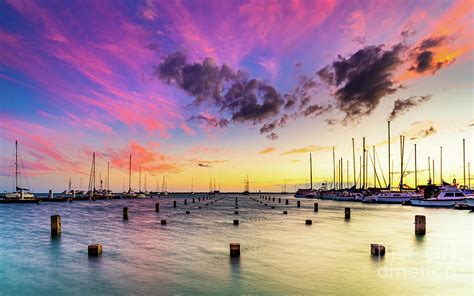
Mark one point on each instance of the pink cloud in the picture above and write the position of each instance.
(145, 157)
(97, 72)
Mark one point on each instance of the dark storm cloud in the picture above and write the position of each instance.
(362, 79)
(402, 106)
(272, 136)
(316, 110)
(434, 42)
(267, 127)
(210, 121)
(244, 99)
(424, 56)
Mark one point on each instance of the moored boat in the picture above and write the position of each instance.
(445, 197)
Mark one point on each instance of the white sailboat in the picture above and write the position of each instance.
(308, 193)
(19, 193)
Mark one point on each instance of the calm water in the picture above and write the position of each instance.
(279, 253)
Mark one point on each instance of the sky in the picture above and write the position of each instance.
(201, 90)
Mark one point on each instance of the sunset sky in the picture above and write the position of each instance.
(222, 89)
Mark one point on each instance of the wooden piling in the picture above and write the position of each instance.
(273, 199)
(125, 213)
(56, 225)
(163, 222)
(174, 204)
(188, 212)
(193, 200)
(234, 250)
(157, 207)
(316, 207)
(94, 250)
(285, 212)
(377, 250)
(347, 213)
(279, 200)
(236, 212)
(420, 225)
(236, 222)
(287, 201)
(298, 203)
(50, 194)
(308, 222)
(185, 202)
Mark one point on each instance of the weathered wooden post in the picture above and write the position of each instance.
(174, 204)
(236, 201)
(55, 225)
(163, 222)
(234, 250)
(185, 202)
(285, 212)
(347, 213)
(236, 212)
(287, 201)
(377, 250)
(199, 199)
(420, 225)
(279, 200)
(298, 204)
(316, 207)
(157, 207)
(94, 250)
(50, 194)
(308, 222)
(193, 200)
(236, 222)
(125, 213)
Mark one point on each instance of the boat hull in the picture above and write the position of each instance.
(433, 203)
(470, 202)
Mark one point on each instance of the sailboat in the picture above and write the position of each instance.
(20, 194)
(308, 193)
(405, 193)
(247, 186)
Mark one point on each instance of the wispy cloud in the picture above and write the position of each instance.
(307, 149)
(267, 150)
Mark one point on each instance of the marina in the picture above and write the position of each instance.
(190, 254)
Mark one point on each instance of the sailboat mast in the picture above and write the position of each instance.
(375, 168)
(416, 173)
(108, 177)
(93, 169)
(130, 174)
(433, 171)
(429, 170)
(389, 160)
(354, 161)
(16, 165)
(464, 160)
(310, 172)
(401, 162)
(363, 163)
(139, 179)
(334, 167)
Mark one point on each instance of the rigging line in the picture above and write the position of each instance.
(381, 170)
(376, 175)
(408, 161)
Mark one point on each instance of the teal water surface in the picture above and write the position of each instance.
(190, 255)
